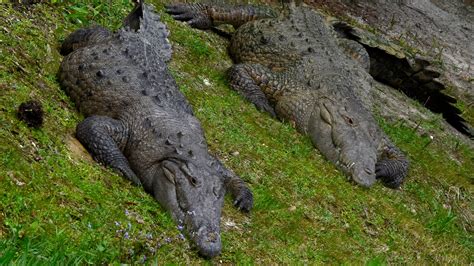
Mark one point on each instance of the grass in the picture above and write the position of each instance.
(57, 206)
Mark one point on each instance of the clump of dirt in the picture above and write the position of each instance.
(31, 112)
(77, 150)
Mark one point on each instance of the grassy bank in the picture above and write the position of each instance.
(58, 206)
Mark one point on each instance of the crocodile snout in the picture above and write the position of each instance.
(364, 176)
(208, 242)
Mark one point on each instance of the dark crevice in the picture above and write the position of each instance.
(415, 79)
(398, 73)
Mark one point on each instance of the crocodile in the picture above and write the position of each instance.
(138, 123)
(292, 66)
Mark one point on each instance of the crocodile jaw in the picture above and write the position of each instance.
(204, 232)
(361, 169)
(195, 202)
(345, 139)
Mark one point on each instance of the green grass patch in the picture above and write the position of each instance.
(57, 206)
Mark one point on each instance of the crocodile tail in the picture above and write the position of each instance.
(84, 37)
(132, 21)
(145, 21)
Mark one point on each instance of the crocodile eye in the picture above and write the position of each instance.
(190, 174)
(193, 180)
(348, 120)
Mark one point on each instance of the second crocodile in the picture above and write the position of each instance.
(293, 67)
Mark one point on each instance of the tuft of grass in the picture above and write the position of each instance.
(86, 13)
(57, 206)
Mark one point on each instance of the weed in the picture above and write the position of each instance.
(98, 12)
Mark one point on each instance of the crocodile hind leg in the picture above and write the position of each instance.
(248, 80)
(83, 37)
(204, 16)
(104, 138)
(392, 167)
(240, 192)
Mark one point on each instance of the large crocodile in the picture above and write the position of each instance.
(140, 124)
(293, 67)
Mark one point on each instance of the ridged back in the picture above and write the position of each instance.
(105, 78)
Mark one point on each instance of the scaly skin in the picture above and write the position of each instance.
(294, 68)
(139, 123)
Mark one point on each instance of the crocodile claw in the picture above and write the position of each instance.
(244, 200)
(390, 172)
(194, 14)
(268, 109)
(130, 175)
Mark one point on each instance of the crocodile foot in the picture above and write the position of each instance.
(243, 200)
(391, 172)
(194, 14)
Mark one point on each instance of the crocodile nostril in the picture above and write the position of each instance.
(212, 237)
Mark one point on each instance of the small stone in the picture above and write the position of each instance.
(230, 223)
(17, 182)
(235, 153)
(292, 208)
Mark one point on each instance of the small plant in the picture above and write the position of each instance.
(93, 11)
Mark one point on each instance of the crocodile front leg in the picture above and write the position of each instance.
(392, 167)
(241, 194)
(203, 16)
(248, 80)
(104, 138)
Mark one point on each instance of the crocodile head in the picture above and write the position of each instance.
(176, 168)
(345, 132)
(194, 195)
